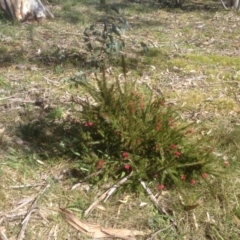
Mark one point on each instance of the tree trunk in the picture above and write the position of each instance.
(23, 10)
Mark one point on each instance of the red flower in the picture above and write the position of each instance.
(226, 163)
(127, 166)
(141, 105)
(88, 124)
(73, 120)
(100, 164)
(173, 146)
(177, 154)
(171, 122)
(193, 182)
(204, 175)
(125, 154)
(118, 133)
(158, 127)
(191, 131)
(161, 102)
(160, 186)
(183, 177)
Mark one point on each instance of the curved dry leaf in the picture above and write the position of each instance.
(96, 231)
(74, 221)
(123, 233)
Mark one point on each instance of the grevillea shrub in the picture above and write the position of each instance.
(126, 128)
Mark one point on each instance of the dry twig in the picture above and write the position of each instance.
(154, 200)
(13, 217)
(107, 194)
(26, 185)
(2, 234)
(31, 209)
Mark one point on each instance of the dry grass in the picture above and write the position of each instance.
(193, 59)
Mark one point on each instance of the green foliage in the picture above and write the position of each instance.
(3, 82)
(103, 40)
(124, 128)
(56, 113)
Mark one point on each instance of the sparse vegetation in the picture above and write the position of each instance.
(69, 109)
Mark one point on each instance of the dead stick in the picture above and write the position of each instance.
(22, 205)
(12, 217)
(154, 200)
(1, 99)
(27, 185)
(3, 236)
(24, 224)
(107, 194)
(31, 209)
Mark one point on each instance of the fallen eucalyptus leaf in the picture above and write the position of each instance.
(96, 231)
